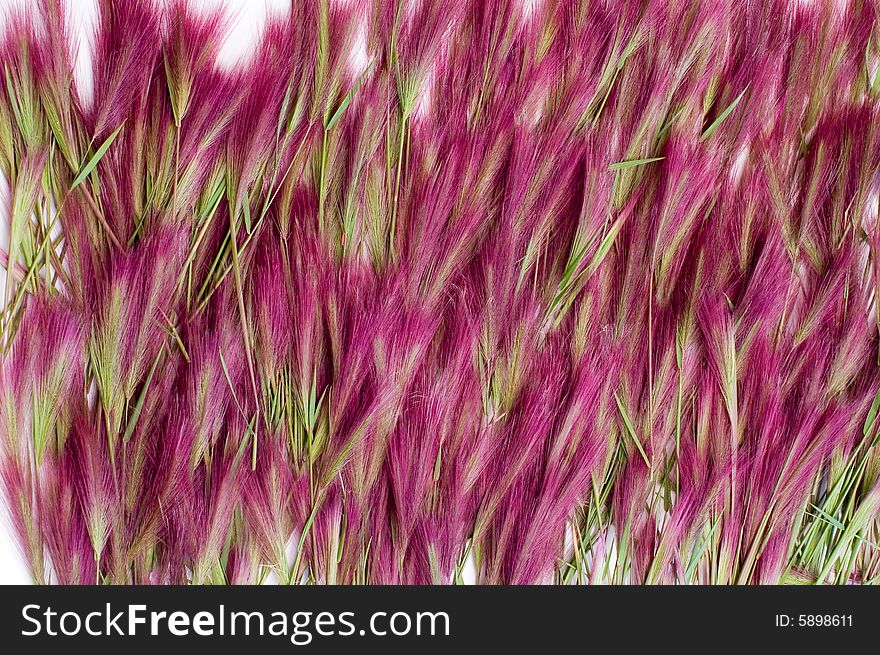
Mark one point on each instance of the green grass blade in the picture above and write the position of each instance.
(631, 429)
(723, 116)
(630, 163)
(93, 162)
(346, 101)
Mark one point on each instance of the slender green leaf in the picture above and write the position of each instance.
(93, 162)
(633, 162)
(722, 116)
(246, 207)
(631, 429)
(871, 419)
(346, 101)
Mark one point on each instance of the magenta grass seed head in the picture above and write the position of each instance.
(429, 292)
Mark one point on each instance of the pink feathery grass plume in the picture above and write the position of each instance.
(430, 292)
(41, 374)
